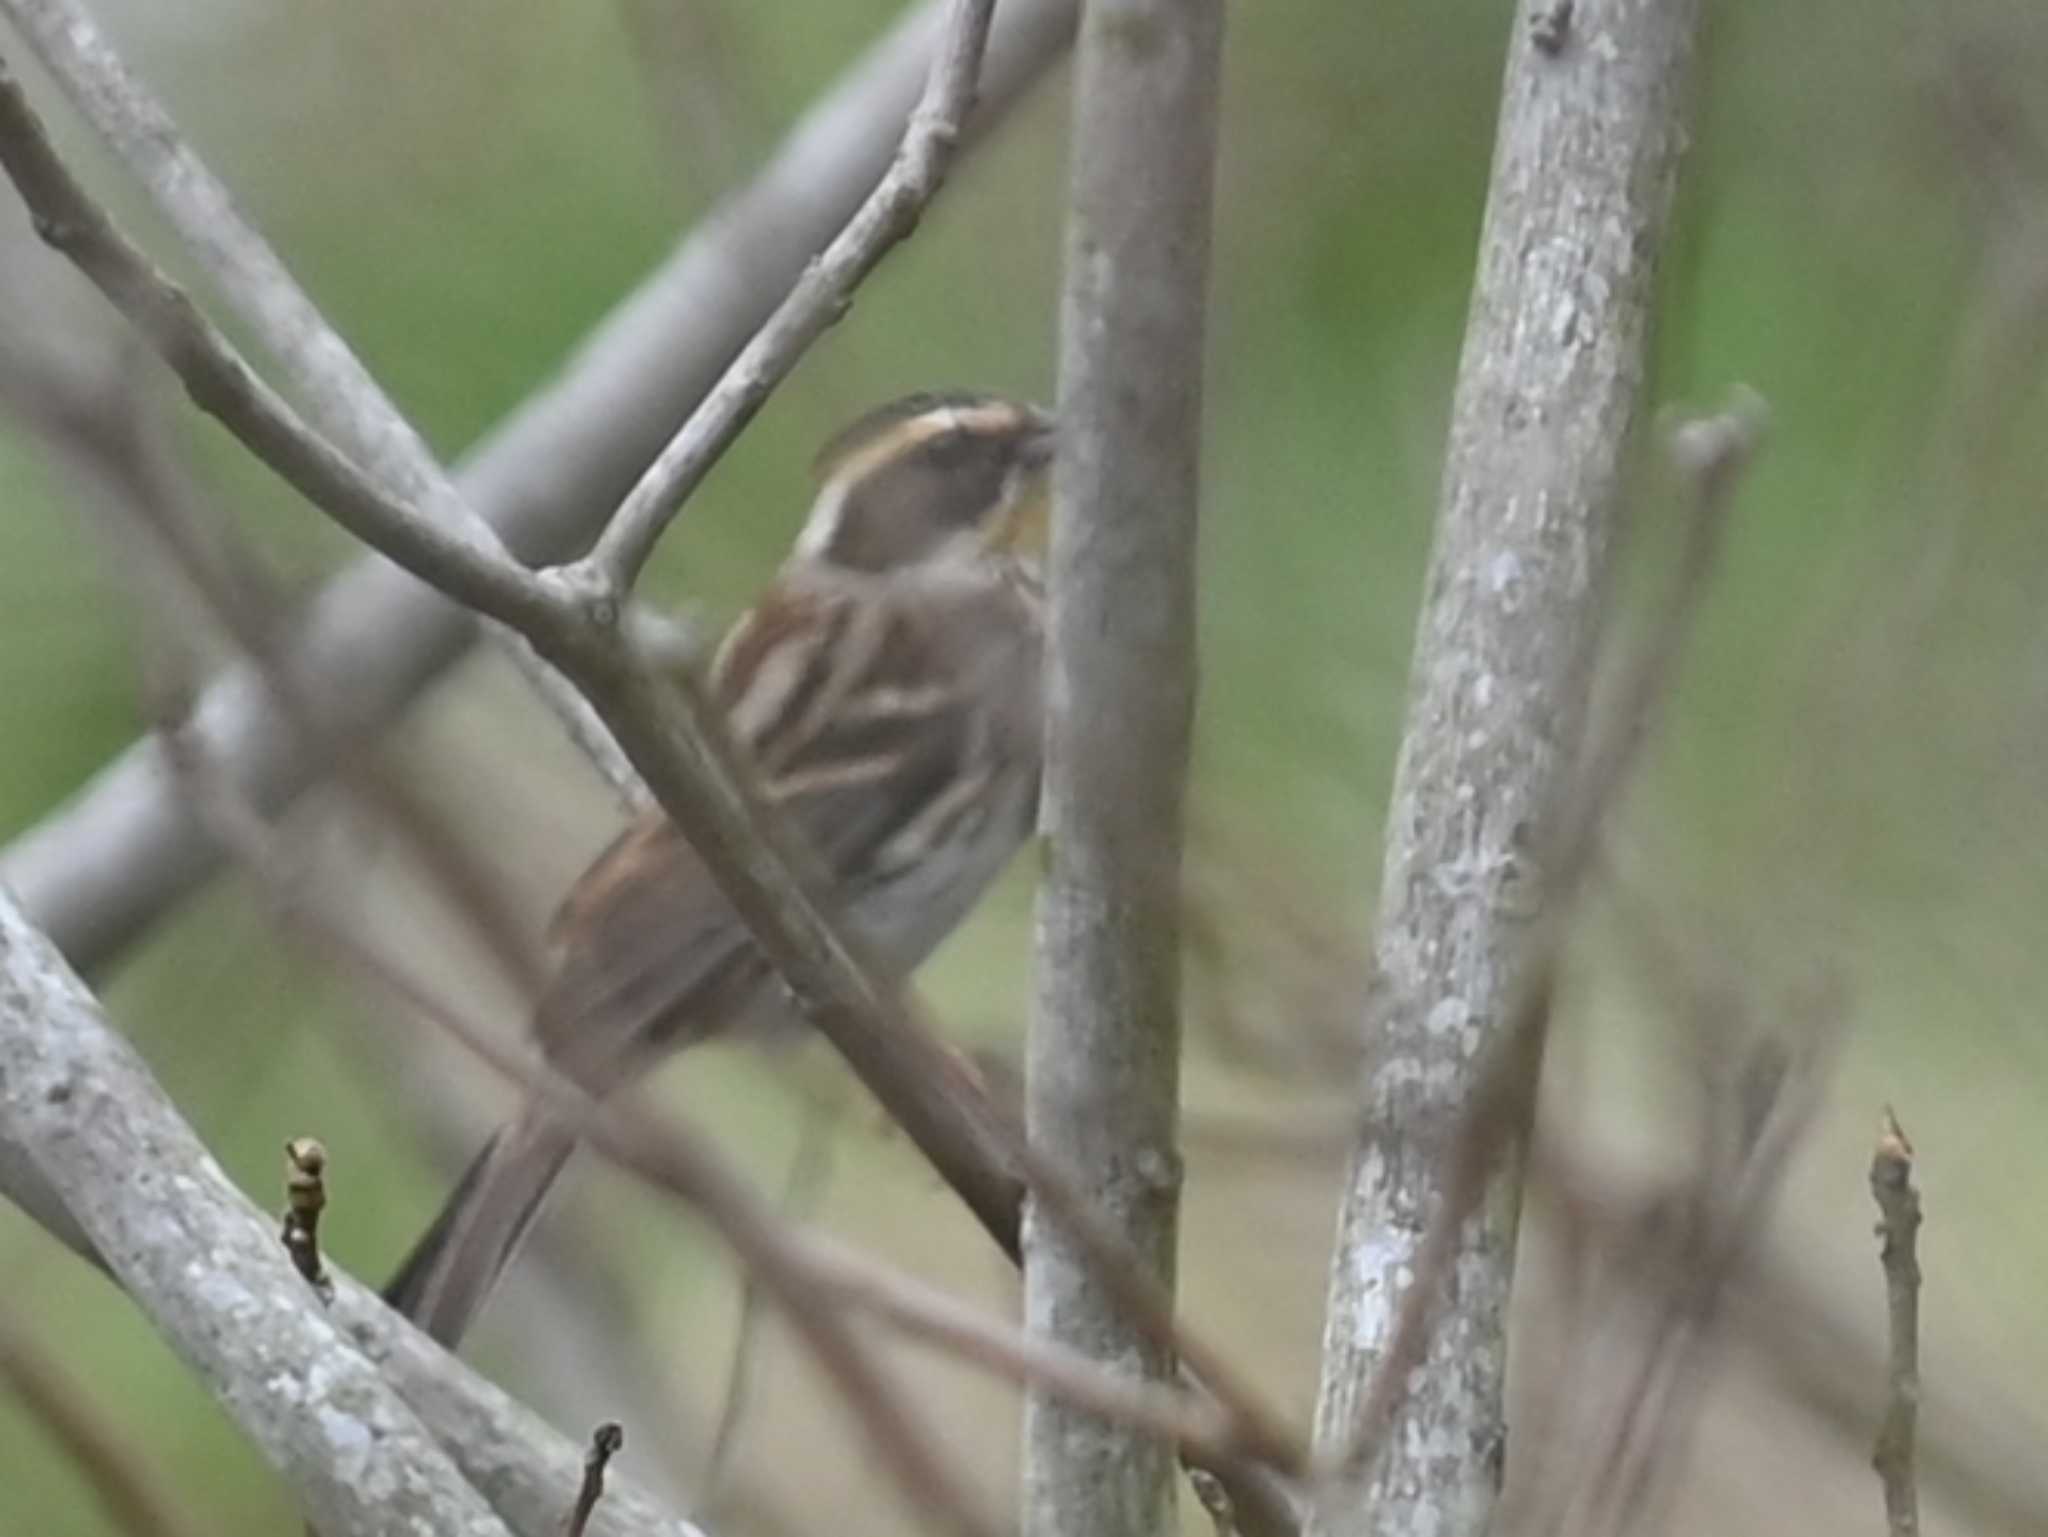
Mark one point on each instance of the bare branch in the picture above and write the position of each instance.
(1710, 454)
(478, 573)
(100, 871)
(672, 1160)
(343, 399)
(923, 1312)
(75, 1096)
(819, 299)
(1591, 126)
(669, 733)
(1103, 1076)
(1898, 1205)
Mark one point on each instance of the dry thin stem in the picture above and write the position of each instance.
(819, 299)
(921, 1311)
(107, 1455)
(1898, 1228)
(1766, 1105)
(605, 1442)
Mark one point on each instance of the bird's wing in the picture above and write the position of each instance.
(852, 714)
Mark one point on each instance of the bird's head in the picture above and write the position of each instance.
(952, 478)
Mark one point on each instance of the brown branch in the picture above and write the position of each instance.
(1898, 1205)
(842, 1277)
(921, 1311)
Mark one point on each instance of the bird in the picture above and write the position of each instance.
(885, 689)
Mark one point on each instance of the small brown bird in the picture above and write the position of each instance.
(886, 691)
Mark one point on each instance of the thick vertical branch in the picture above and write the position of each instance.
(1104, 1057)
(1592, 124)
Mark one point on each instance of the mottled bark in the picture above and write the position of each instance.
(205, 1266)
(1591, 129)
(1103, 1089)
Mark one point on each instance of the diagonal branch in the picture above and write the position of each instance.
(79, 1102)
(99, 872)
(668, 731)
(818, 300)
(475, 570)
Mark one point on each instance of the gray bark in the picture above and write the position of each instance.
(85, 1129)
(1591, 129)
(205, 1266)
(99, 872)
(1103, 1077)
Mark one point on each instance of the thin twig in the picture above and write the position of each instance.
(471, 566)
(98, 872)
(1898, 1228)
(345, 402)
(105, 431)
(665, 1155)
(818, 300)
(1180, 1417)
(305, 1195)
(844, 1277)
(605, 1442)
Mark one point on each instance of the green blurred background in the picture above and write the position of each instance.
(1852, 778)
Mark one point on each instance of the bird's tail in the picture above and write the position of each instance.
(444, 1281)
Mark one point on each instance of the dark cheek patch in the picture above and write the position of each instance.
(903, 511)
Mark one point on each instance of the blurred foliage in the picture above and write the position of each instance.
(1852, 774)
